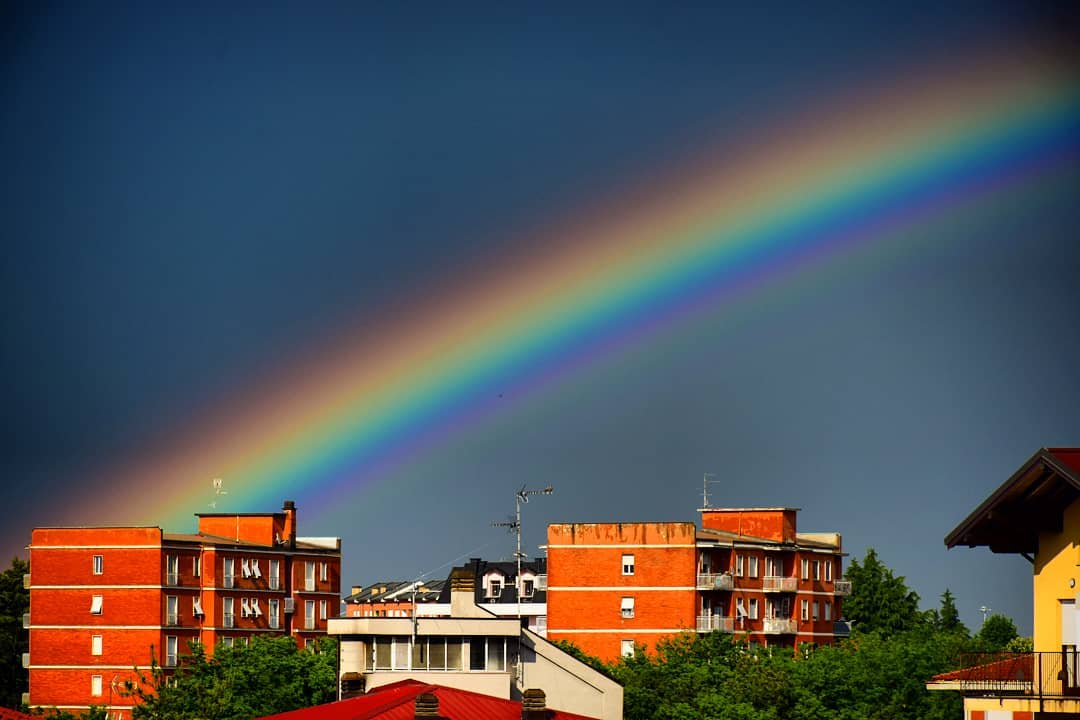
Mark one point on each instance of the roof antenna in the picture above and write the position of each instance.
(217, 484)
(706, 480)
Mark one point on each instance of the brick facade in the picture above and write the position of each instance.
(105, 600)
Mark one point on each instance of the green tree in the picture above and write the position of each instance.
(948, 618)
(997, 632)
(879, 601)
(14, 640)
(267, 676)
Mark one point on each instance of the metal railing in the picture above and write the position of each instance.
(1040, 674)
(842, 587)
(172, 620)
(228, 620)
(715, 581)
(709, 623)
(779, 626)
(172, 578)
(779, 583)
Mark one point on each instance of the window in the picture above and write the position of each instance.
(256, 571)
(774, 567)
(739, 565)
(255, 609)
(804, 608)
(309, 576)
(753, 609)
(628, 607)
(227, 618)
(170, 651)
(99, 567)
(196, 607)
(196, 566)
(245, 567)
(805, 569)
(322, 609)
(309, 615)
(816, 610)
(752, 566)
(828, 570)
(817, 570)
(626, 648)
(527, 587)
(95, 644)
(627, 564)
(245, 607)
(95, 604)
(172, 570)
(172, 611)
(95, 685)
(275, 574)
(324, 572)
(228, 572)
(227, 642)
(274, 611)
(494, 587)
(828, 610)
(740, 609)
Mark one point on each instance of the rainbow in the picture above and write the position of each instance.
(776, 205)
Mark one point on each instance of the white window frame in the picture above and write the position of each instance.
(96, 685)
(828, 610)
(740, 564)
(753, 608)
(196, 566)
(740, 608)
(99, 564)
(805, 567)
(752, 566)
(96, 645)
(227, 641)
(322, 609)
(256, 571)
(255, 609)
(828, 570)
(172, 610)
(804, 609)
(324, 572)
(628, 565)
(275, 574)
(196, 607)
(309, 576)
(245, 567)
(172, 569)
(626, 607)
(626, 648)
(494, 585)
(817, 610)
(274, 611)
(817, 570)
(309, 614)
(97, 602)
(228, 616)
(172, 650)
(228, 572)
(245, 607)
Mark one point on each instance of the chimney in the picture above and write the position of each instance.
(290, 523)
(534, 705)
(427, 706)
(463, 594)
(357, 589)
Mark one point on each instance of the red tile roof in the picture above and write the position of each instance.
(1019, 668)
(7, 714)
(397, 702)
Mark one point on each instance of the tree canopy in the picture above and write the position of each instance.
(997, 632)
(14, 640)
(879, 601)
(267, 676)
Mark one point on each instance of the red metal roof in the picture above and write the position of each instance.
(397, 702)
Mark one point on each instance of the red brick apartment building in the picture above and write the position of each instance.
(101, 597)
(746, 571)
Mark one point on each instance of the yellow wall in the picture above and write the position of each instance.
(1056, 565)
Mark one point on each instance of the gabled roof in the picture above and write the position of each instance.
(397, 702)
(1033, 500)
(398, 591)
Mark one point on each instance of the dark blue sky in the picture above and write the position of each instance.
(195, 197)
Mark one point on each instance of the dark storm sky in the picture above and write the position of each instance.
(194, 197)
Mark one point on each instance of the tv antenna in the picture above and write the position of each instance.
(707, 479)
(520, 497)
(217, 484)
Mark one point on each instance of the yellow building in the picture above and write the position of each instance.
(1036, 514)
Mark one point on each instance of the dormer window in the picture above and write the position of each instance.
(494, 585)
(527, 587)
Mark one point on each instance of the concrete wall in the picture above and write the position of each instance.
(570, 685)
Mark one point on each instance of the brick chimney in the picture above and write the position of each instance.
(463, 594)
(427, 706)
(290, 524)
(534, 705)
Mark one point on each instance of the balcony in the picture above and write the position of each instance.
(172, 579)
(228, 581)
(1041, 675)
(719, 623)
(275, 584)
(715, 581)
(779, 626)
(228, 620)
(778, 583)
(842, 587)
(172, 620)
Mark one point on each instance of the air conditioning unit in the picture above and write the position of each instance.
(290, 605)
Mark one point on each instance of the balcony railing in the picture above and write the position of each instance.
(228, 620)
(715, 581)
(274, 582)
(172, 578)
(779, 626)
(172, 620)
(779, 583)
(1040, 675)
(709, 623)
(228, 581)
(842, 587)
